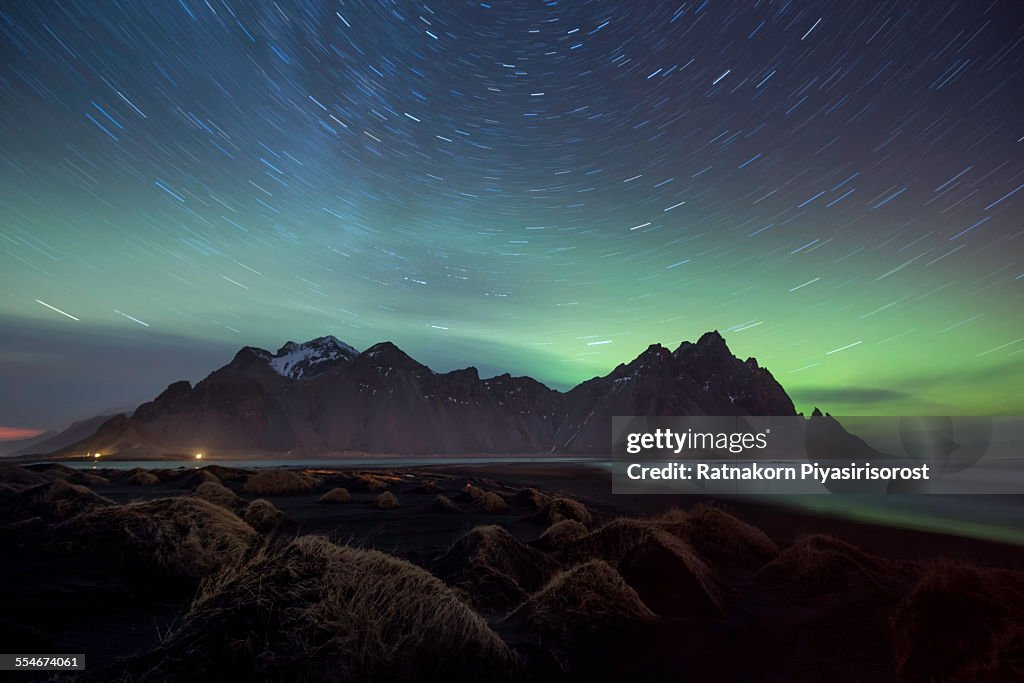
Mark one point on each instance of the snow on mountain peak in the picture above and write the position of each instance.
(301, 361)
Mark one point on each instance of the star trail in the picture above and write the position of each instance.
(534, 186)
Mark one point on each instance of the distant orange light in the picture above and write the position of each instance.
(199, 456)
(96, 455)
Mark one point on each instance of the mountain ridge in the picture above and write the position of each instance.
(324, 396)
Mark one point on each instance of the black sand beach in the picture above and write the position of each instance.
(123, 565)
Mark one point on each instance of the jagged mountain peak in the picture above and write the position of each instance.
(388, 352)
(382, 400)
(328, 342)
(311, 358)
(710, 344)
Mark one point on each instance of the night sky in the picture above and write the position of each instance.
(537, 187)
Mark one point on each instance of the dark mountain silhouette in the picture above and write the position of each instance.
(50, 441)
(323, 396)
(16, 446)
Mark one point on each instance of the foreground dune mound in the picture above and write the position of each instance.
(181, 537)
(530, 498)
(191, 478)
(491, 502)
(141, 477)
(667, 573)
(336, 495)
(723, 541)
(218, 494)
(19, 477)
(554, 510)
(56, 500)
(264, 517)
(315, 611)
(280, 483)
(225, 474)
(579, 621)
(373, 483)
(53, 471)
(560, 534)
(444, 504)
(493, 568)
(825, 596)
(387, 501)
(817, 567)
(961, 623)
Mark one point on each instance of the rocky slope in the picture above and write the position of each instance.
(324, 396)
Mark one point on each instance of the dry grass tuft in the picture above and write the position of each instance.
(834, 600)
(55, 500)
(279, 483)
(725, 542)
(445, 504)
(561, 533)
(817, 567)
(473, 492)
(194, 478)
(19, 477)
(140, 477)
(387, 501)
(493, 568)
(371, 482)
(531, 499)
(580, 621)
(961, 623)
(588, 597)
(71, 475)
(667, 573)
(491, 502)
(427, 486)
(313, 611)
(224, 473)
(336, 495)
(181, 537)
(263, 516)
(218, 494)
(554, 510)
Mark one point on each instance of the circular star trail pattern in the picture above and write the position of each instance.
(540, 187)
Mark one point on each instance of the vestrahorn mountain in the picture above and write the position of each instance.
(324, 397)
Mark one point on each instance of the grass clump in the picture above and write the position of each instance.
(387, 501)
(561, 533)
(725, 542)
(493, 568)
(491, 502)
(141, 477)
(336, 495)
(579, 624)
(19, 477)
(445, 504)
(554, 510)
(313, 611)
(263, 516)
(182, 537)
(961, 623)
(218, 494)
(666, 571)
(279, 483)
(56, 500)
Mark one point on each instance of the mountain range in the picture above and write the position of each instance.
(323, 396)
